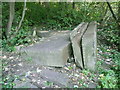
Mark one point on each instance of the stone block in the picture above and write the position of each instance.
(60, 79)
(89, 46)
(23, 84)
(76, 37)
(55, 51)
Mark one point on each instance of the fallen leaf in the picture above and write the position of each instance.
(38, 70)
(4, 57)
(28, 73)
(75, 86)
(11, 57)
(23, 79)
(20, 64)
(33, 80)
(6, 69)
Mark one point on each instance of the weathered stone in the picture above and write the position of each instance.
(39, 82)
(58, 78)
(55, 51)
(89, 47)
(23, 84)
(76, 37)
(50, 33)
(92, 85)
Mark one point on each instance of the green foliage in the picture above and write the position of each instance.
(61, 16)
(47, 83)
(109, 78)
(6, 46)
(7, 82)
(50, 15)
(109, 33)
(22, 36)
(36, 13)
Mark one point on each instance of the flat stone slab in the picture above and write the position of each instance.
(58, 78)
(92, 85)
(89, 46)
(50, 33)
(76, 37)
(23, 84)
(55, 51)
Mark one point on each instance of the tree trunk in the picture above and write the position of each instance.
(73, 5)
(11, 17)
(117, 19)
(114, 16)
(23, 15)
(119, 25)
(1, 20)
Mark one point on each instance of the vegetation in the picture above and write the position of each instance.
(18, 29)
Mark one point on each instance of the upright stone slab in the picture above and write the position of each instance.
(55, 51)
(89, 46)
(76, 36)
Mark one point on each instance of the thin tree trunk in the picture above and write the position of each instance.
(73, 5)
(114, 16)
(23, 15)
(1, 20)
(117, 21)
(11, 17)
(119, 25)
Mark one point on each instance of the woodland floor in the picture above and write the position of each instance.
(24, 74)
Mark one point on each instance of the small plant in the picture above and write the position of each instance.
(109, 78)
(7, 82)
(29, 59)
(86, 72)
(107, 81)
(47, 83)
(70, 67)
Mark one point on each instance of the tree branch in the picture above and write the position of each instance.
(114, 16)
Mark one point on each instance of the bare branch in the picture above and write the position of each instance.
(114, 16)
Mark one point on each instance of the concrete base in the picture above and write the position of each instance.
(55, 51)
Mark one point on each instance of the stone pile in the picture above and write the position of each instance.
(58, 48)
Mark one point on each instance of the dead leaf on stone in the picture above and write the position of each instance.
(75, 86)
(18, 70)
(38, 70)
(20, 64)
(11, 57)
(33, 80)
(66, 68)
(6, 69)
(4, 57)
(28, 73)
